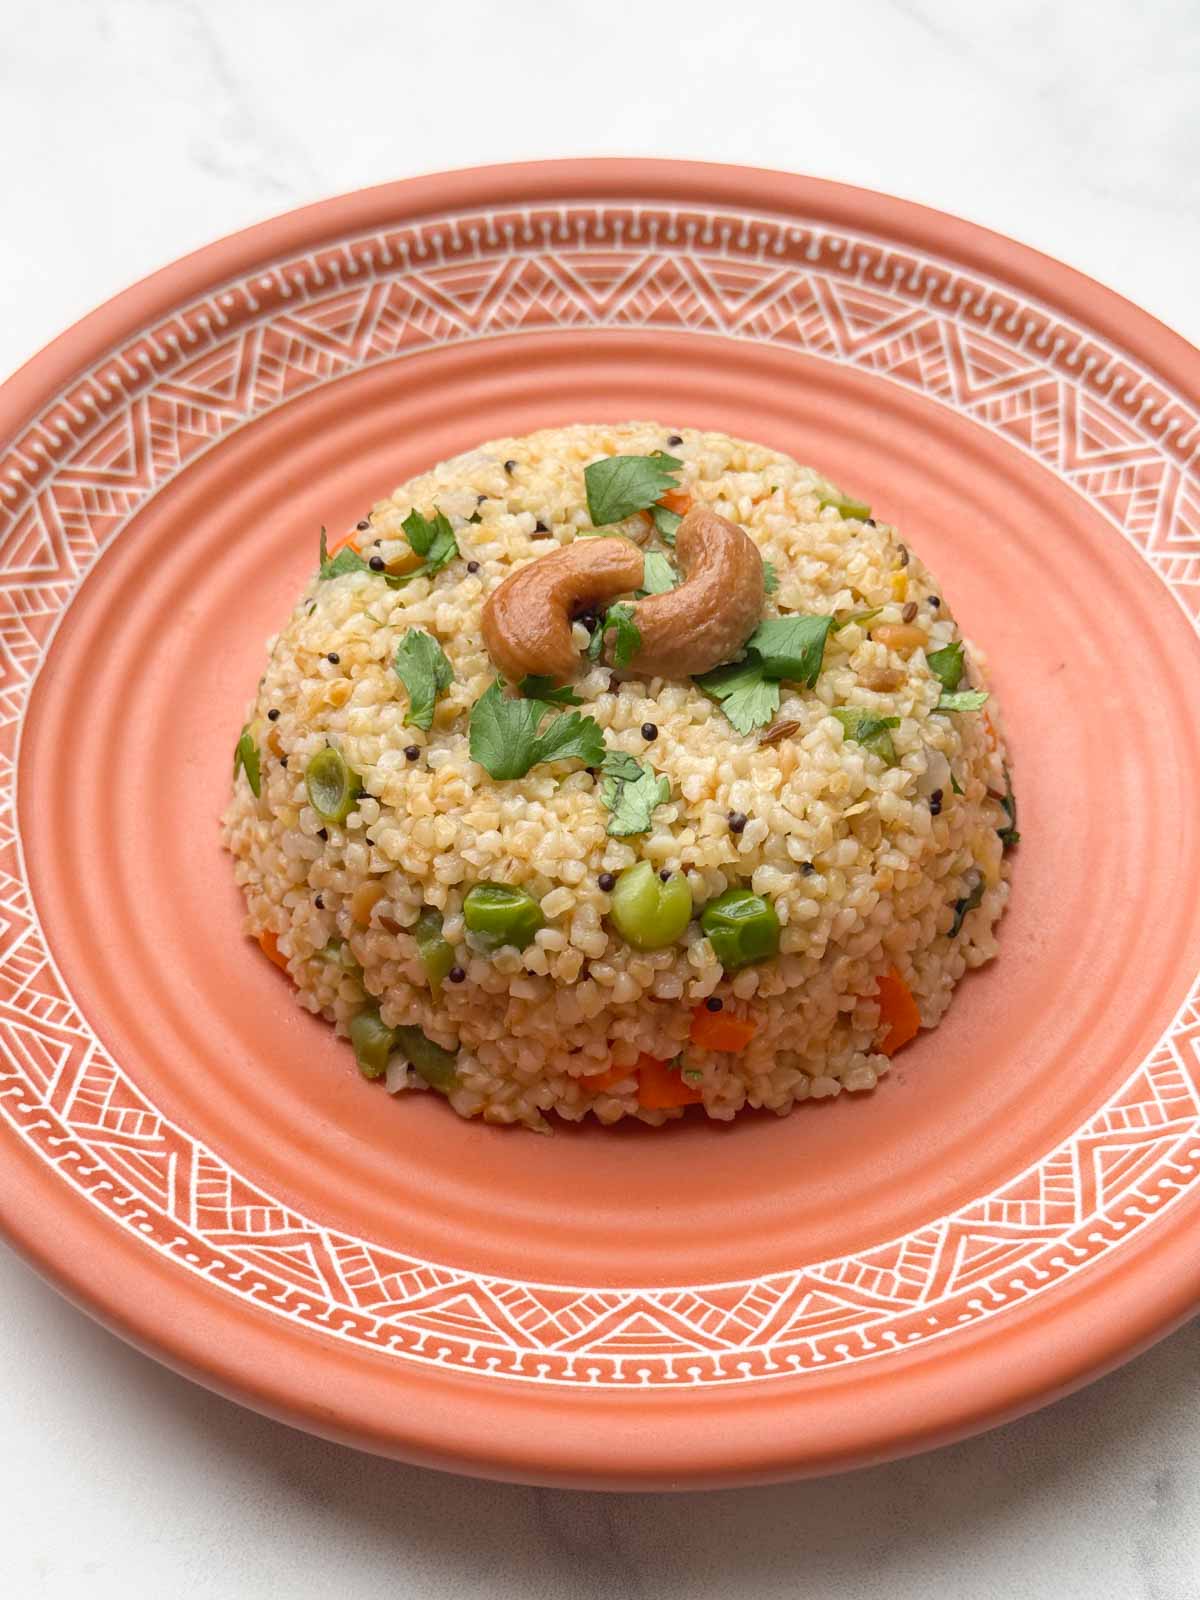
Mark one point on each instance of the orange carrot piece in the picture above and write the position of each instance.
(897, 1012)
(350, 539)
(659, 1088)
(717, 1030)
(677, 500)
(597, 1082)
(269, 945)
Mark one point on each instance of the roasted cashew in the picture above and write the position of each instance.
(709, 617)
(527, 620)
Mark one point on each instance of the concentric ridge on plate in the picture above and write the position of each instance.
(102, 449)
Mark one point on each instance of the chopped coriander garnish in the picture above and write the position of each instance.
(658, 575)
(1009, 836)
(434, 539)
(781, 647)
(631, 790)
(869, 730)
(246, 759)
(967, 903)
(955, 786)
(507, 738)
(964, 700)
(346, 560)
(770, 577)
(422, 668)
(792, 647)
(538, 688)
(946, 665)
(621, 767)
(621, 485)
(618, 619)
(666, 523)
(747, 698)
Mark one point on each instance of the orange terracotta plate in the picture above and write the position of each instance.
(196, 1161)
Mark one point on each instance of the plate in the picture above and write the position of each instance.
(195, 1160)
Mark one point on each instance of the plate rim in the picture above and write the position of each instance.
(424, 1438)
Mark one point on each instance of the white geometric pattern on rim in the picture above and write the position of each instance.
(80, 470)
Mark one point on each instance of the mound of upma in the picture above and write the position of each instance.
(619, 769)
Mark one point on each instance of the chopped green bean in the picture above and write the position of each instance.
(436, 1065)
(436, 955)
(500, 915)
(844, 504)
(373, 1042)
(742, 927)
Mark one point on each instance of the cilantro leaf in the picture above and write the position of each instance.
(246, 759)
(432, 538)
(957, 788)
(621, 485)
(666, 523)
(628, 642)
(967, 903)
(964, 700)
(570, 735)
(505, 739)
(865, 728)
(748, 700)
(770, 577)
(537, 688)
(422, 668)
(781, 647)
(1009, 836)
(792, 647)
(346, 560)
(658, 575)
(619, 765)
(631, 792)
(947, 665)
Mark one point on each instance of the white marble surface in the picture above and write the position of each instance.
(137, 129)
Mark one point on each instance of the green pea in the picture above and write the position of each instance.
(499, 915)
(332, 787)
(742, 927)
(647, 912)
(435, 1065)
(373, 1042)
(436, 955)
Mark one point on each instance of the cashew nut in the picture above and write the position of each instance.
(709, 617)
(527, 620)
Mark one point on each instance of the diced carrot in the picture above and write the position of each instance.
(660, 1088)
(897, 1012)
(677, 500)
(597, 1082)
(269, 945)
(717, 1030)
(350, 539)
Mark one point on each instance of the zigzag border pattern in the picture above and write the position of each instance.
(82, 469)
